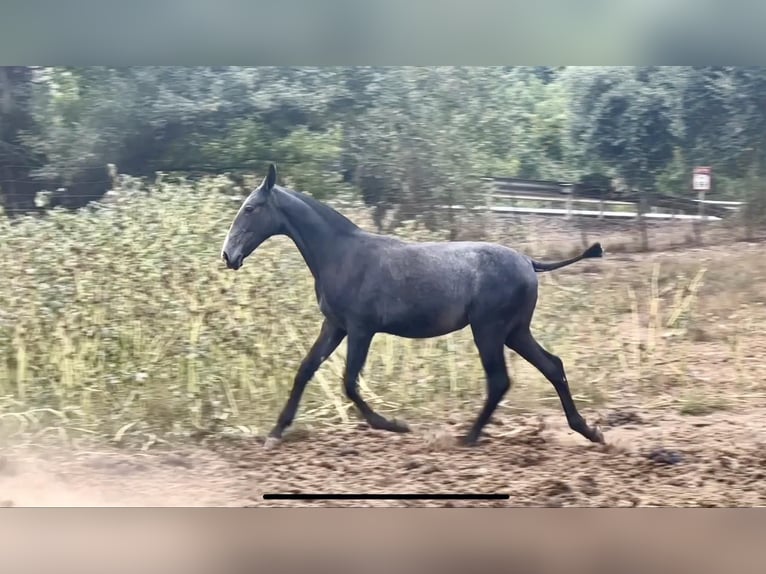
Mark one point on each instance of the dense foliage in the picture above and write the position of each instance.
(397, 137)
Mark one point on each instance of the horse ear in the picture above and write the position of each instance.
(270, 179)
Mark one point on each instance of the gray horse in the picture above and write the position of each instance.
(367, 283)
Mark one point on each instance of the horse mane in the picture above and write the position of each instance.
(339, 221)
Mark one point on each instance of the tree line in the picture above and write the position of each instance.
(398, 137)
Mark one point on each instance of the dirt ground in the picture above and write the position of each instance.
(657, 459)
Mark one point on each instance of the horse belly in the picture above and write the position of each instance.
(425, 323)
(417, 299)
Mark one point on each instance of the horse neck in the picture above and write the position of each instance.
(315, 237)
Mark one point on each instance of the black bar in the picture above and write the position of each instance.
(277, 496)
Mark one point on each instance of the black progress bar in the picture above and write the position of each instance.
(307, 496)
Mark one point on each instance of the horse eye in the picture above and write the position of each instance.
(249, 208)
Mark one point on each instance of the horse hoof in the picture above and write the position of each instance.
(271, 443)
(380, 423)
(468, 441)
(399, 426)
(598, 436)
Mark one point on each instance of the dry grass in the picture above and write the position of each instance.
(121, 323)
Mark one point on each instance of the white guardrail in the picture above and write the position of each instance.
(551, 193)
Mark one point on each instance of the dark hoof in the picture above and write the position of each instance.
(597, 436)
(468, 440)
(379, 423)
(398, 426)
(271, 442)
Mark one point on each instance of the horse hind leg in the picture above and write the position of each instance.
(552, 368)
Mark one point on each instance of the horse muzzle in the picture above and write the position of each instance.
(232, 261)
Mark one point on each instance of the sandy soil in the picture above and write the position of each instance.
(654, 459)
